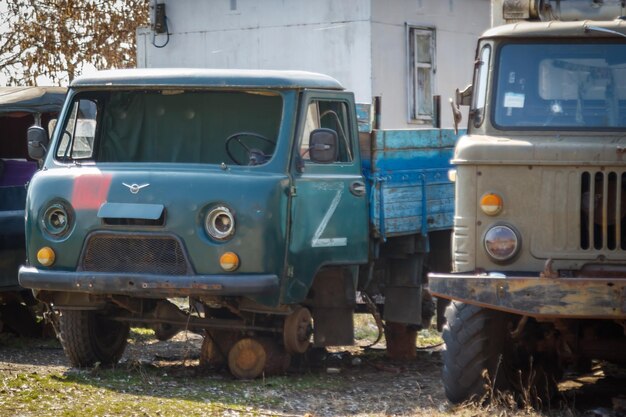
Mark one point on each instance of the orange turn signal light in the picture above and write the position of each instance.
(46, 256)
(229, 261)
(491, 204)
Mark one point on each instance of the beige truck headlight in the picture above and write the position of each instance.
(502, 243)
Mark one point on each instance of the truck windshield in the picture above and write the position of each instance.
(171, 126)
(566, 86)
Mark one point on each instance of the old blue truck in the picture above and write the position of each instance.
(20, 107)
(257, 195)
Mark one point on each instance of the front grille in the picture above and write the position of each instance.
(137, 253)
(602, 210)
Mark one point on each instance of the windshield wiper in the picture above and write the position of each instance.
(588, 29)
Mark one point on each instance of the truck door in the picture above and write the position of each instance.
(329, 223)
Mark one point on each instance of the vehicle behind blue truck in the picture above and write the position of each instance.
(20, 107)
(256, 195)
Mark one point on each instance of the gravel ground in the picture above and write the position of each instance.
(346, 382)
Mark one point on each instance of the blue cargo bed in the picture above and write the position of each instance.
(408, 185)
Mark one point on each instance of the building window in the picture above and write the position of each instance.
(422, 72)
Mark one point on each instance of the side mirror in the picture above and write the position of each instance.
(464, 97)
(323, 147)
(461, 98)
(37, 142)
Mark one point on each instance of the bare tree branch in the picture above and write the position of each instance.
(57, 38)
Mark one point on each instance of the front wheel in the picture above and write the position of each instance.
(474, 339)
(482, 357)
(89, 338)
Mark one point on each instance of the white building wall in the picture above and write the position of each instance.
(457, 23)
(326, 36)
(361, 43)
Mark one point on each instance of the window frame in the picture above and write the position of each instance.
(413, 67)
(480, 84)
(497, 76)
(72, 114)
(350, 146)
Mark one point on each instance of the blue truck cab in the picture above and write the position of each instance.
(256, 195)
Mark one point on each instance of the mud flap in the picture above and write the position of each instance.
(403, 305)
(334, 300)
(403, 295)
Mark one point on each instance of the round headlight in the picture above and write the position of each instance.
(56, 220)
(502, 243)
(220, 223)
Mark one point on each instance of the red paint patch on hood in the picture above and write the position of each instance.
(90, 191)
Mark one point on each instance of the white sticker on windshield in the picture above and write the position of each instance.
(514, 100)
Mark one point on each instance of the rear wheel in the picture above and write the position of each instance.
(89, 338)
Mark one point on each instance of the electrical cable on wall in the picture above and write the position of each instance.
(160, 25)
(167, 33)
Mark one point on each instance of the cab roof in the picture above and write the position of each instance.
(202, 78)
(31, 99)
(558, 29)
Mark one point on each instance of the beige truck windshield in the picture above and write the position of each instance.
(561, 86)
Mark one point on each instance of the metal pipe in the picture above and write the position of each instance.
(572, 10)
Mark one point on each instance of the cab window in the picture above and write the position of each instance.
(329, 115)
(78, 137)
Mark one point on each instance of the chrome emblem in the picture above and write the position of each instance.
(134, 188)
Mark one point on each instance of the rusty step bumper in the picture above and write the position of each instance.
(591, 298)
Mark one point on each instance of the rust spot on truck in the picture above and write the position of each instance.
(545, 298)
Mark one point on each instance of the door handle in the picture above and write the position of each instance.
(357, 188)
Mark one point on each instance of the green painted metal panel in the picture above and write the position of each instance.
(130, 211)
(329, 224)
(259, 203)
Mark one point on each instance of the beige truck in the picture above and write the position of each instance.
(539, 242)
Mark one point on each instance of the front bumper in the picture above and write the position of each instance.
(147, 285)
(590, 298)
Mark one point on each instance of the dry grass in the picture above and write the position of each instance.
(163, 379)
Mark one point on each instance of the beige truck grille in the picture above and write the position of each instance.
(602, 210)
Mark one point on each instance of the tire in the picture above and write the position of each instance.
(481, 358)
(89, 338)
(20, 319)
(474, 339)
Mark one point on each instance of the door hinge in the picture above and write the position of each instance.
(290, 271)
(292, 191)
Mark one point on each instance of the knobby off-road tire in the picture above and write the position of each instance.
(474, 339)
(482, 356)
(89, 338)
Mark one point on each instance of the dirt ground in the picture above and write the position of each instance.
(351, 381)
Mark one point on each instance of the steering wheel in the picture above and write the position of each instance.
(255, 155)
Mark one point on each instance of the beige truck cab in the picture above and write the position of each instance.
(539, 243)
